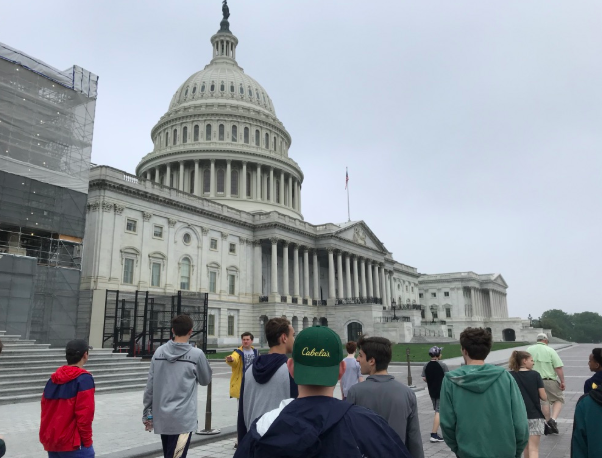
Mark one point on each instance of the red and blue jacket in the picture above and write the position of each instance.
(67, 410)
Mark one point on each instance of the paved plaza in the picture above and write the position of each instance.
(118, 428)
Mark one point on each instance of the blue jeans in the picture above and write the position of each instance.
(84, 452)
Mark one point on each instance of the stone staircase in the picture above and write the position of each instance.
(25, 367)
(432, 339)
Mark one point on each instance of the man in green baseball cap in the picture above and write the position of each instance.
(317, 424)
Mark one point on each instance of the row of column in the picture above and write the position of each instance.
(494, 305)
(369, 280)
(268, 177)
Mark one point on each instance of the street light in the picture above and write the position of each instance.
(530, 320)
(409, 370)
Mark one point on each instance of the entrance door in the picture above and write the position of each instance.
(509, 335)
(354, 331)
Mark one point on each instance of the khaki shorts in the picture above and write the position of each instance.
(553, 391)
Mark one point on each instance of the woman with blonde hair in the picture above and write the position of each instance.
(531, 387)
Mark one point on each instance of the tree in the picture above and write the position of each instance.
(582, 327)
(559, 322)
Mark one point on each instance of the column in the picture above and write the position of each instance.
(472, 301)
(258, 183)
(505, 306)
(348, 292)
(272, 196)
(242, 193)
(305, 273)
(296, 270)
(376, 281)
(298, 196)
(331, 288)
(257, 268)
(197, 180)
(316, 275)
(274, 285)
(369, 275)
(285, 277)
(157, 175)
(228, 177)
(148, 175)
(387, 284)
(383, 284)
(428, 315)
(290, 191)
(181, 177)
(363, 291)
(168, 175)
(212, 186)
(282, 192)
(341, 291)
(356, 286)
(492, 304)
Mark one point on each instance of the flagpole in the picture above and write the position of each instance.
(347, 186)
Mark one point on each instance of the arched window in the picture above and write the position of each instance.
(192, 182)
(208, 132)
(232, 88)
(246, 134)
(222, 86)
(196, 133)
(203, 87)
(275, 144)
(212, 88)
(206, 181)
(221, 133)
(248, 184)
(234, 183)
(194, 89)
(266, 141)
(175, 136)
(185, 135)
(234, 133)
(220, 180)
(185, 274)
(257, 138)
(250, 92)
(264, 98)
(257, 94)
(186, 92)
(277, 191)
(241, 90)
(166, 138)
(269, 188)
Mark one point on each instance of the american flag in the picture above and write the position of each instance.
(346, 177)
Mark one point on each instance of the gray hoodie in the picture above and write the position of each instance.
(171, 390)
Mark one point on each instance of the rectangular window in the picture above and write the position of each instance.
(446, 293)
(230, 325)
(131, 225)
(211, 325)
(212, 281)
(158, 232)
(156, 274)
(420, 295)
(447, 313)
(433, 294)
(185, 275)
(233, 248)
(128, 271)
(412, 289)
(213, 244)
(435, 314)
(231, 284)
(450, 333)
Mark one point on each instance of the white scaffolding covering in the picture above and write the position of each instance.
(46, 120)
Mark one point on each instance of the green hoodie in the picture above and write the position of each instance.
(483, 414)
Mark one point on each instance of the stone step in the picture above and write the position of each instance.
(33, 389)
(49, 369)
(46, 352)
(18, 345)
(26, 361)
(35, 397)
(40, 379)
(8, 338)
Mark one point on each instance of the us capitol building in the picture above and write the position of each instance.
(217, 207)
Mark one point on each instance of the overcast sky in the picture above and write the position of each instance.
(472, 130)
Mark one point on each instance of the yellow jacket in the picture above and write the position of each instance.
(237, 364)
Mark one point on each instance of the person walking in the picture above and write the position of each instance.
(316, 424)
(481, 408)
(433, 373)
(549, 365)
(381, 393)
(170, 397)
(595, 365)
(267, 381)
(587, 424)
(68, 407)
(532, 389)
(353, 373)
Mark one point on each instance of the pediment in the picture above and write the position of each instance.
(499, 279)
(361, 234)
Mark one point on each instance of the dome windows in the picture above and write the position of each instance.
(234, 133)
(232, 88)
(203, 87)
(208, 132)
(275, 144)
(250, 92)
(222, 86)
(194, 89)
(185, 135)
(221, 132)
(241, 90)
(266, 141)
(246, 135)
(234, 183)
(206, 181)
(257, 94)
(166, 138)
(257, 138)
(220, 181)
(212, 87)
(196, 133)
(175, 136)
(264, 102)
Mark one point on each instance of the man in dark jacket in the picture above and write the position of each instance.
(267, 382)
(316, 424)
(595, 365)
(68, 407)
(587, 425)
(381, 393)
(433, 373)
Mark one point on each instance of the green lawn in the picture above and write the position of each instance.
(420, 351)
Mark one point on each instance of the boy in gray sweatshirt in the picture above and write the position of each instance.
(170, 398)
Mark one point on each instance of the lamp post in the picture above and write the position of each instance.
(394, 315)
(530, 320)
(409, 370)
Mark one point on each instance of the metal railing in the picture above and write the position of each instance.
(263, 298)
(358, 300)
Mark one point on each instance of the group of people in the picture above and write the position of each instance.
(287, 406)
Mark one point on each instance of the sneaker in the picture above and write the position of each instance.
(553, 426)
(436, 438)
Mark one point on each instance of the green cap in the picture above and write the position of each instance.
(317, 353)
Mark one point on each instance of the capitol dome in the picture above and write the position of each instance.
(221, 139)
